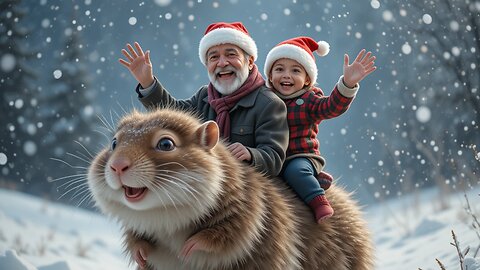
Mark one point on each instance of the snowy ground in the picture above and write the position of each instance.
(36, 234)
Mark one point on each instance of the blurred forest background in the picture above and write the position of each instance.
(413, 125)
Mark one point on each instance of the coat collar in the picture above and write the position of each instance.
(294, 95)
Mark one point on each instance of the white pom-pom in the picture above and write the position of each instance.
(323, 48)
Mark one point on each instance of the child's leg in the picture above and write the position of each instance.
(299, 173)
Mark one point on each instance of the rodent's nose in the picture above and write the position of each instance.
(120, 165)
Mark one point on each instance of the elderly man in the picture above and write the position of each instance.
(251, 117)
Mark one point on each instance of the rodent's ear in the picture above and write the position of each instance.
(208, 134)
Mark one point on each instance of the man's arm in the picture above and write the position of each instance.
(271, 137)
(157, 96)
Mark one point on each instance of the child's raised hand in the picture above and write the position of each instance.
(139, 64)
(359, 69)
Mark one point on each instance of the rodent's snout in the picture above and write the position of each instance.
(120, 165)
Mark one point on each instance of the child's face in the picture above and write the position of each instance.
(288, 76)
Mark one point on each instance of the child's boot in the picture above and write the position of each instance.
(321, 208)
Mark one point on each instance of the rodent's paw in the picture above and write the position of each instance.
(141, 249)
(194, 243)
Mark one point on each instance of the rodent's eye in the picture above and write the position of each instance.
(165, 144)
(114, 144)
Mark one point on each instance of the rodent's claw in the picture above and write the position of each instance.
(140, 255)
(191, 245)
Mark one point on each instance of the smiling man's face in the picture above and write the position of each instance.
(228, 67)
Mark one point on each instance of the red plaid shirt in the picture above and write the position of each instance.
(305, 112)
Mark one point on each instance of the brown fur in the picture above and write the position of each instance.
(243, 219)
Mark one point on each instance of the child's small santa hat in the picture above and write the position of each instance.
(301, 50)
(222, 33)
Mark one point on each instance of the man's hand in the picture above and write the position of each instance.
(139, 64)
(240, 152)
(359, 69)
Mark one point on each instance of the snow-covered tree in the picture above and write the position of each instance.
(67, 108)
(18, 142)
(438, 89)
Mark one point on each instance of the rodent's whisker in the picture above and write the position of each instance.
(117, 115)
(83, 191)
(84, 159)
(145, 168)
(181, 174)
(86, 150)
(169, 195)
(68, 164)
(142, 156)
(143, 165)
(111, 118)
(166, 179)
(73, 181)
(88, 197)
(75, 188)
(68, 176)
(170, 163)
(122, 108)
(107, 125)
(184, 183)
(152, 187)
(107, 136)
(183, 186)
(166, 186)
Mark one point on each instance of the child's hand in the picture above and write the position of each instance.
(139, 64)
(359, 69)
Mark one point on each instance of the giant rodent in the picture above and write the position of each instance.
(185, 203)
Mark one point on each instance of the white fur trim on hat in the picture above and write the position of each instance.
(224, 36)
(295, 53)
(323, 48)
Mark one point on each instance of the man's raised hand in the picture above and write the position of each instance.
(139, 64)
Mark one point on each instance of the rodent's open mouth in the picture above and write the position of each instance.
(134, 194)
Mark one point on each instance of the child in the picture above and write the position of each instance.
(292, 73)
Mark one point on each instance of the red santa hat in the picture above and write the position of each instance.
(301, 50)
(222, 33)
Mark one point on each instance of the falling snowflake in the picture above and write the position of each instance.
(57, 74)
(163, 3)
(132, 20)
(8, 62)
(423, 114)
(3, 159)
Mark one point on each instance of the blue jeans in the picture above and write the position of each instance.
(300, 174)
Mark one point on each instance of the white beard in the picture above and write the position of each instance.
(241, 76)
